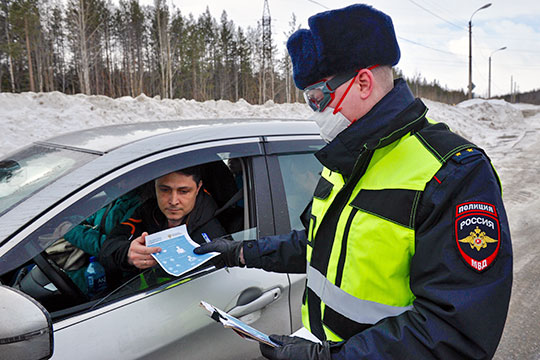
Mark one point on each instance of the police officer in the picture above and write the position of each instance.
(407, 249)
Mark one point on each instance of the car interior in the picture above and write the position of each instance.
(47, 279)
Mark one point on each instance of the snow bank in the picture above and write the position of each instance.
(28, 117)
(492, 124)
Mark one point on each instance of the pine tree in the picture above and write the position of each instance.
(24, 17)
(108, 28)
(179, 56)
(245, 73)
(225, 55)
(207, 27)
(8, 47)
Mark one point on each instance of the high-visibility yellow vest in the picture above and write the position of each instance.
(361, 275)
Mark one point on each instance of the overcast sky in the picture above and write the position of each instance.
(432, 34)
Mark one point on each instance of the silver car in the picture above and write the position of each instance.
(49, 186)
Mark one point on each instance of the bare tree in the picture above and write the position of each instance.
(164, 47)
(76, 18)
(291, 92)
(81, 18)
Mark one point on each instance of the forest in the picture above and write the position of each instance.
(125, 49)
(121, 48)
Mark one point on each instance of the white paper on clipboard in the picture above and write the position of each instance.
(241, 328)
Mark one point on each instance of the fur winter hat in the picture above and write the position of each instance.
(340, 40)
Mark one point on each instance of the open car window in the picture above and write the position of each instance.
(157, 280)
(232, 214)
(68, 265)
(74, 243)
(37, 236)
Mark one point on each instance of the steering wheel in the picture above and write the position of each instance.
(60, 279)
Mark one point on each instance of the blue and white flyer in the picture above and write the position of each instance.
(177, 256)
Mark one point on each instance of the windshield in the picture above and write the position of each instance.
(31, 169)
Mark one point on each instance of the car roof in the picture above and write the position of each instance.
(108, 138)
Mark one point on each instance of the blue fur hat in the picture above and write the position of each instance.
(354, 37)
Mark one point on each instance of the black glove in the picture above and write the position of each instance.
(229, 249)
(295, 348)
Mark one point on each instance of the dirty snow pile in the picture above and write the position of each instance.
(29, 117)
(494, 125)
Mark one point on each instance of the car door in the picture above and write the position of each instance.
(294, 172)
(163, 319)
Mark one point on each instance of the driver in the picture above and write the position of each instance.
(179, 200)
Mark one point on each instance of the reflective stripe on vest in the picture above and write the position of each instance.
(361, 311)
(369, 279)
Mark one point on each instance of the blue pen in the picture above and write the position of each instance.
(206, 238)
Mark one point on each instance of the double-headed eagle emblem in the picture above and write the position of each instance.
(478, 239)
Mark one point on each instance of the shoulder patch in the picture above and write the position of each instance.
(478, 234)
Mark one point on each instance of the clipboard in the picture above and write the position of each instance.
(241, 328)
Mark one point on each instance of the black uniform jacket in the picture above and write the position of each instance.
(148, 218)
(459, 311)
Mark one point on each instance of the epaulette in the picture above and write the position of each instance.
(443, 143)
(465, 155)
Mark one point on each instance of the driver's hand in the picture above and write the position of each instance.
(139, 255)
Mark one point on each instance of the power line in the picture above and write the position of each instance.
(428, 47)
(441, 63)
(315, 2)
(437, 16)
(436, 4)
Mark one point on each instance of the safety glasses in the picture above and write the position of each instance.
(319, 95)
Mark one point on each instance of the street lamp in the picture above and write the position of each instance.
(489, 81)
(470, 47)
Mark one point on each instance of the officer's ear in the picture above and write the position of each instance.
(364, 81)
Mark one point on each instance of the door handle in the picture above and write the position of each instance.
(260, 302)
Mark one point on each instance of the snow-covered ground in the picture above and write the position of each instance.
(508, 132)
(30, 116)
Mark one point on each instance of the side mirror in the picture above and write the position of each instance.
(26, 331)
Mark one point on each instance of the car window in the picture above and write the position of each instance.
(226, 181)
(223, 190)
(300, 173)
(31, 169)
(100, 192)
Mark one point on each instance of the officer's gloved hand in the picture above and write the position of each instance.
(229, 249)
(296, 348)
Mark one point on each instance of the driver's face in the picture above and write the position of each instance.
(176, 194)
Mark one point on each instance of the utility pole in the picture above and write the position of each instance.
(489, 81)
(511, 88)
(470, 58)
(470, 49)
(267, 64)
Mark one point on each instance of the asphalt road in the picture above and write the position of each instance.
(519, 168)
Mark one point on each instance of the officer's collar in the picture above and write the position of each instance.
(397, 113)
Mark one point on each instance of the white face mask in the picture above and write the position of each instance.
(330, 125)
